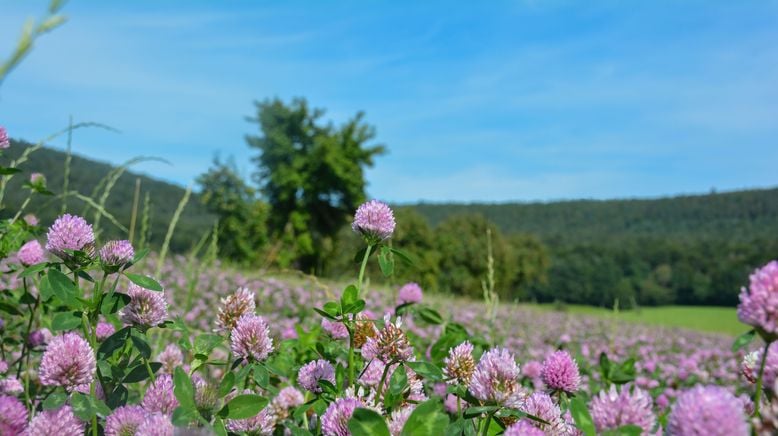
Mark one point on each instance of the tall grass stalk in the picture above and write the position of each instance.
(30, 32)
(66, 173)
(134, 215)
(491, 299)
(29, 150)
(171, 228)
(112, 178)
(145, 228)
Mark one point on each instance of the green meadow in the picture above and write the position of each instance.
(706, 319)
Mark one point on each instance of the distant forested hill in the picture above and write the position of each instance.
(85, 175)
(694, 249)
(731, 215)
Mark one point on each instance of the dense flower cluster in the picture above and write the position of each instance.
(4, 141)
(159, 396)
(560, 372)
(13, 415)
(759, 303)
(496, 379)
(61, 421)
(233, 307)
(70, 233)
(334, 422)
(375, 220)
(310, 374)
(117, 253)
(409, 293)
(31, 253)
(707, 410)
(69, 362)
(251, 338)
(460, 364)
(146, 307)
(614, 408)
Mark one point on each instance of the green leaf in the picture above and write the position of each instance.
(368, 423)
(227, 383)
(398, 381)
(9, 309)
(206, 342)
(349, 297)
(243, 407)
(355, 308)
(141, 345)
(63, 288)
(327, 387)
(472, 412)
(113, 302)
(183, 416)
(140, 372)
(45, 288)
(218, 427)
(65, 321)
(583, 420)
(139, 255)
(625, 430)
(85, 406)
(743, 340)
(113, 343)
(426, 370)
(144, 282)
(427, 419)
(33, 269)
(386, 261)
(55, 401)
(405, 257)
(183, 389)
(430, 315)
(261, 376)
(324, 314)
(8, 171)
(332, 308)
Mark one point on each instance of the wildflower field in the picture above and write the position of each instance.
(103, 336)
(100, 339)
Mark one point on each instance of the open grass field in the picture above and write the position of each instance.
(706, 319)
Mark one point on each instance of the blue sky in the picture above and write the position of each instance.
(476, 101)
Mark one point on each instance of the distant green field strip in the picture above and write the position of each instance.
(707, 319)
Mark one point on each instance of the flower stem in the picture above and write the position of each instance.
(351, 368)
(383, 380)
(362, 269)
(758, 394)
(485, 430)
(148, 368)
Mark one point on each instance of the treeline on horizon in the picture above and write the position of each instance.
(694, 250)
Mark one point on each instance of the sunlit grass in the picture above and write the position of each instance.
(707, 319)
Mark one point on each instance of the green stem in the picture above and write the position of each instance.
(26, 336)
(485, 430)
(97, 299)
(362, 270)
(351, 368)
(378, 398)
(148, 368)
(19, 212)
(758, 394)
(91, 338)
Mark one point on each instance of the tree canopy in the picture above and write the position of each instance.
(311, 173)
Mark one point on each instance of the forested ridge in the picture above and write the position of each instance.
(690, 249)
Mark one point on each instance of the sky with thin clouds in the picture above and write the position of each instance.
(476, 101)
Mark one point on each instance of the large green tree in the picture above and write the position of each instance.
(311, 173)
